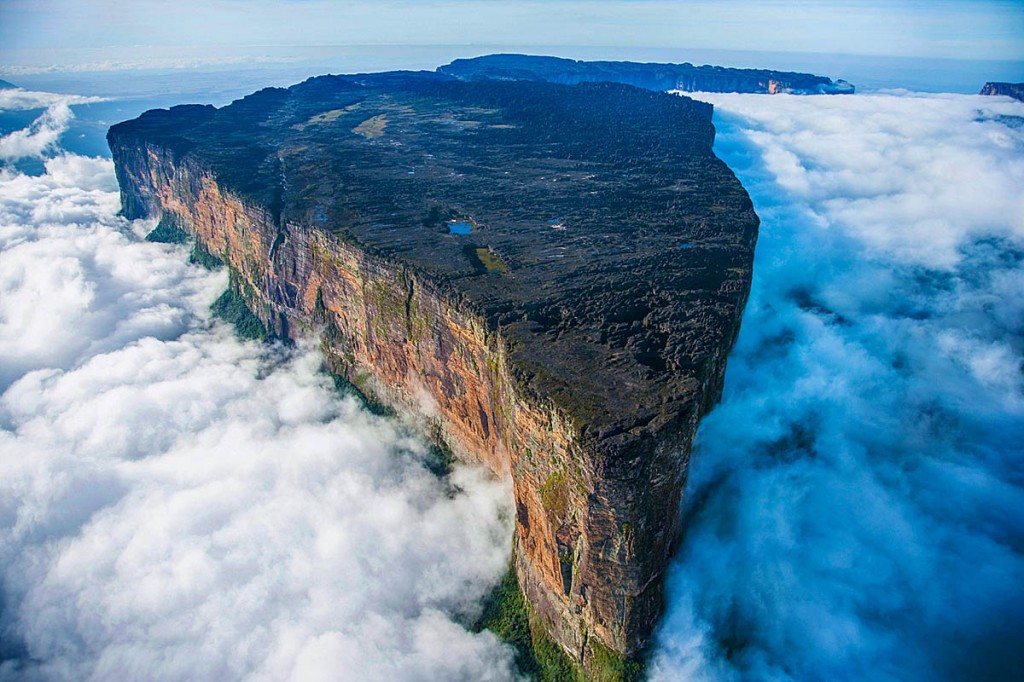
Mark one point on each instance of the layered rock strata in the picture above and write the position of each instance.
(550, 276)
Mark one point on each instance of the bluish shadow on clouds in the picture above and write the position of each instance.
(179, 505)
(855, 507)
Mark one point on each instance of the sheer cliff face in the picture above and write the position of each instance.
(572, 337)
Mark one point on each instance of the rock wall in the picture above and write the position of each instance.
(593, 533)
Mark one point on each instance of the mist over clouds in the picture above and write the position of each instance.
(179, 505)
(855, 503)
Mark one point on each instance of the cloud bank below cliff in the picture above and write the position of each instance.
(854, 506)
(176, 504)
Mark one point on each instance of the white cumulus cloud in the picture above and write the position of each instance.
(855, 502)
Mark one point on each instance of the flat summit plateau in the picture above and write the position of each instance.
(552, 275)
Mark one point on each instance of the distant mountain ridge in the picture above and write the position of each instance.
(649, 76)
(1014, 90)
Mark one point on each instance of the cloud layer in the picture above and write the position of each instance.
(855, 503)
(176, 504)
(41, 137)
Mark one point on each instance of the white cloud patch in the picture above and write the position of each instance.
(178, 505)
(43, 135)
(855, 503)
(19, 99)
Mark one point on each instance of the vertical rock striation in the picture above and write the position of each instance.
(550, 276)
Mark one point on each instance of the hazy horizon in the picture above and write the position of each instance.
(880, 44)
(945, 28)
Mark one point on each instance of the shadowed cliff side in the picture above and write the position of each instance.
(550, 276)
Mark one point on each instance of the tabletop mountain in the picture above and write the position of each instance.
(550, 275)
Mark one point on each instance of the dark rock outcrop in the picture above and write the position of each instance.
(1014, 90)
(551, 275)
(661, 77)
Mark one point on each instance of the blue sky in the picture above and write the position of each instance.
(68, 31)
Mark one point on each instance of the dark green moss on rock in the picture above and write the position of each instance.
(231, 308)
(507, 615)
(167, 231)
(200, 255)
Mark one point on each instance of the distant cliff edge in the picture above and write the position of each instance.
(685, 77)
(1014, 90)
